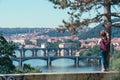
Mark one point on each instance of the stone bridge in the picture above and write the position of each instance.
(56, 54)
(47, 51)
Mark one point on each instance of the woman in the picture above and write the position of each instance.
(103, 43)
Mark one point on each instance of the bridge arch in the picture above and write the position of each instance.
(64, 57)
(63, 62)
(52, 53)
(16, 63)
(40, 53)
(64, 52)
(40, 58)
(17, 53)
(55, 58)
(29, 53)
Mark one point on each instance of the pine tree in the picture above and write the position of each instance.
(77, 10)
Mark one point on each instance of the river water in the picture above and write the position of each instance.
(61, 65)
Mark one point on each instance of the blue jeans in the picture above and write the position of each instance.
(103, 55)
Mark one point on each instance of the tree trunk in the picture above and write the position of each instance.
(107, 23)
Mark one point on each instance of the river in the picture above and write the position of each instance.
(61, 65)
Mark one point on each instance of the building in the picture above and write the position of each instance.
(43, 45)
(65, 45)
(21, 41)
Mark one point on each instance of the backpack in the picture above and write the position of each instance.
(105, 44)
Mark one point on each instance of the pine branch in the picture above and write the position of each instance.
(116, 14)
(116, 24)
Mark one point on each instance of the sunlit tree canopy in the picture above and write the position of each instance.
(84, 12)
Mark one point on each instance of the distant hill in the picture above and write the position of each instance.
(94, 32)
(52, 32)
(40, 31)
(55, 33)
(91, 33)
(10, 31)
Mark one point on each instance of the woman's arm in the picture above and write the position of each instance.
(99, 42)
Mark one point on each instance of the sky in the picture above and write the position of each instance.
(30, 13)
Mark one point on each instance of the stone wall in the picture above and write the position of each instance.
(60, 76)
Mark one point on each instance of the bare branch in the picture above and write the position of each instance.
(115, 13)
(116, 24)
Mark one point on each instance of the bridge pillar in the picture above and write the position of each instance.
(58, 53)
(20, 53)
(76, 62)
(69, 52)
(72, 51)
(20, 64)
(49, 62)
(23, 52)
(35, 53)
(32, 52)
(46, 53)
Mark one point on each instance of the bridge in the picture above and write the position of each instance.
(57, 53)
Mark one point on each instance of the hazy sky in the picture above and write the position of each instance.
(30, 13)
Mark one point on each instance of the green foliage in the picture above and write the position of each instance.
(116, 54)
(27, 42)
(53, 45)
(116, 77)
(27, 69)
(94, 32)
(112, 49)
(115, 61)
(115, 64)
(91, 51)
(75, 43)
(6, 51)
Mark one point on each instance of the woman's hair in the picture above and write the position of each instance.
(103, 33)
